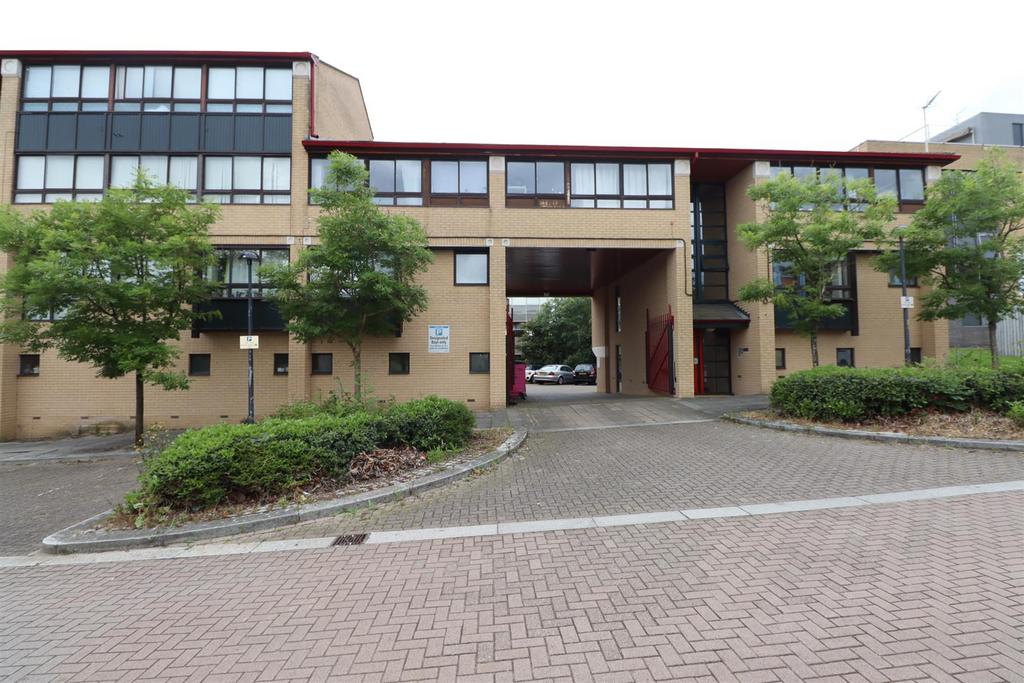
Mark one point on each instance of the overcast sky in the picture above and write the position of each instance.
(800, 75)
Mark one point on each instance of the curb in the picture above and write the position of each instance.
(977, 444)
(73, 540)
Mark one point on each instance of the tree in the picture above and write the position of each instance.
(115, 278)
(812, 225)
(560, 333)
(360, 281)
(967, 243)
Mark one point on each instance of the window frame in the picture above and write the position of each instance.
(458, 197)
(232, 194)
(621, 197)
(894, 281)
(234, 100)
(851, 349)
(35, 367)
(193, 371)
(276, 366)
(394, 195)
(314, 370)
(398, 355)
(455, 267)
(537, 195)
(257, 287)
(480, 354)
(872, 170)
(781, 351)
(76, 193)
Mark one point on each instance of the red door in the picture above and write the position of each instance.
(698, 362)
(659, 353)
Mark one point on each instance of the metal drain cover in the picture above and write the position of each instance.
(350, 539)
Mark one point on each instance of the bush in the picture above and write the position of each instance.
(855, 395)
(334, 404)
(1016, 413)
(240, 462)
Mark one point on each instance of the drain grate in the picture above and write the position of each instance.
(350, 539)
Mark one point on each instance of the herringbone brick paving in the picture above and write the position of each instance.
(922, 590)
(669, 467)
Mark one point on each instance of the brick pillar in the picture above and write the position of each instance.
(680, 290)
(10, 72)
(599, 336)
(498, 323)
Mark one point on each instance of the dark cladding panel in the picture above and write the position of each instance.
(32, 132)
(124, 133)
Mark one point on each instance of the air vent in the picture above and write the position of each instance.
(350, 539)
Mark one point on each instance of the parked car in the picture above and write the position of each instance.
(585, 373)
(530, 371)
(554, 374)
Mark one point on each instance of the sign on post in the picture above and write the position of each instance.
(439, 338)
(906, 302)
(249, 342)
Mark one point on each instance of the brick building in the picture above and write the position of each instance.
(648, 233)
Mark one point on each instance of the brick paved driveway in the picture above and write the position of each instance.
(929, 589)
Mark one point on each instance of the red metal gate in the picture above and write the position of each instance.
(660, 370)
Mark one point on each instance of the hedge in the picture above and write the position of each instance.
(855, 394)
(239, 462)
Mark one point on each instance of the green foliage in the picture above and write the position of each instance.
(1016, 413)
(967, 244)
(360, 280)
(981, 358)
(811, 226)
(120, 274)
(231, 463)
(855, 395)
(560, 333)
(335, 404)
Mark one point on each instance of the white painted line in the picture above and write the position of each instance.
(432, 534)
(712, 513)
(546, 525)
(639, 518)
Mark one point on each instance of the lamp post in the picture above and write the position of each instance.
(906, 311)
(249, 257)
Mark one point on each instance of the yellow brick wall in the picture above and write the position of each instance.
(340, 108)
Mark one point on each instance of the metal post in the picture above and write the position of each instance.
(906, 311)
(250, 418)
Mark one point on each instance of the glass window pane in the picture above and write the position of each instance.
(217, 173)
(60, 170)
(186, 106)
(885, 181)
(155, 168)
(127, 106)
(89, 173)
(444, 176)
(58, 197)
(95, 81)
(471, 269)
(277, 199)
(184, 172)
(187, 82)
(245, 199)
(473, 177)
(277, 173)
(247, 173)
(830, 174)
(801, 172)
(22, 198)
(220, 84)
(157, 106)
(609, 204)
(384, 201)
(779, 170)
(220, 107)
(607, 178)
(382, 175)
(318, 172)
(912, 184)
(249, 108)
(408, 175)
(64, 106)
(520, 177)
(659, 179)
(34, 106)
(582, 181)
(634, 179)
(279, 109)
(856, 173)
(581, 203)
(550, 177)
(128, 82)
(409, 201)
(634, 203)
(30, 172)
(249, 85)
(660, 204)
(122, 171)
(65, 81)
(37, 81)
(279, 84)
(157, 82)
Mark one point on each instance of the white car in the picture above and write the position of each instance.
(554, 374)
(531, 370)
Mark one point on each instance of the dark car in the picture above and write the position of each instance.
(585, 373)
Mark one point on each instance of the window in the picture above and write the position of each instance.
(394, 181)
(471, 268)
(247, 180)
(894, 280)
(911, 185)
(249, 89)
(398, 363)
(28, 365)
(607, 185)
(885, 182)
(198, 364)
(844, 358)
(840, 288)
(973, 320)
(58, 176)
(535, 178)
(479, 363)
(323, 364)
(458, 177)
(783, 275)
(181, 172)
(280, 363)
(1018, 134)
(780, 359)
(65, 88)
(915, 355)
(233, 271)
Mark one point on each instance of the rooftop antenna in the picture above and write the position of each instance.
(924, 113)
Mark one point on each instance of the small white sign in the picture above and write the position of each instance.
(906, 302)
(247, 342)
(439, 339)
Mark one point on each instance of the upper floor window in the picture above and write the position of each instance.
(906, 184)
(471, 268)
(181, 172)
(153, 88)
(458, 177)
(55, 177)
(233, 271)
(840, 288)
(394, 181)
(66, 87)
(605, 185)
(535, 178)
(249, 89)
(247, 180)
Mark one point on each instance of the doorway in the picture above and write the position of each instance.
(712, 372)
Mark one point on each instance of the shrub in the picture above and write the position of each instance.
(430, 423)
(334, 404)
(854, 395)
(1016, 413)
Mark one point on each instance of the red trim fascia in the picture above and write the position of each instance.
(695, 153)
(169, 55)
(314, 62)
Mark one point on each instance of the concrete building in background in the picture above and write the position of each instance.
(986, 128)
(648, 233)
(522, 310)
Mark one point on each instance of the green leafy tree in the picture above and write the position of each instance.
(560, 333)
(360, 281)
(118, 276)
(967, 243)
(811, 226)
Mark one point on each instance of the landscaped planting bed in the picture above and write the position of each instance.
(305, 453)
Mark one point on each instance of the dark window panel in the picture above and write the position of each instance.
(248, 133)
(277, 134)
(61, 132)
(280, 363)
(124, 133)
(219, 133)
(156, 132)
(92, 132)
(479, 363)
(323, 364)
(28, 365)
(199, 364)
(32, 132)
(398, 363)
(185, 133)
